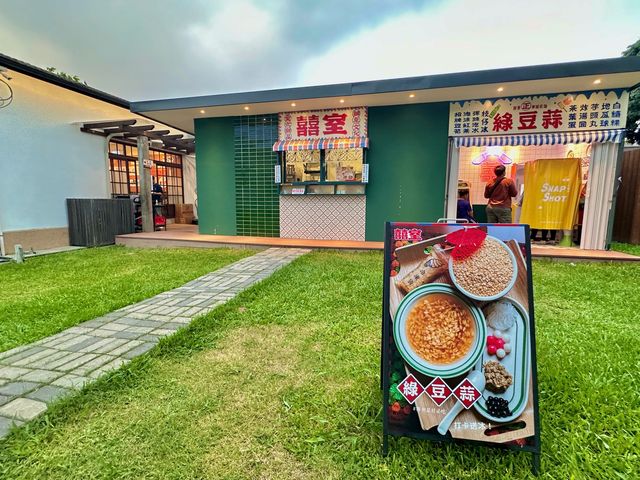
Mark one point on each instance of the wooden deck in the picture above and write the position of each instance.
(188, 236)
(569, 253)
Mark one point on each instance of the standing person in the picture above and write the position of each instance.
(157, 192)
(464, 206)
(499, 192)
(547, 236)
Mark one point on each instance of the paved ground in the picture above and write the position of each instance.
(35, 375)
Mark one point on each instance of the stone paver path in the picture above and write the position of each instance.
(32, 376)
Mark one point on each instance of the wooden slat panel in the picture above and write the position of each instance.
(97, 221)
(626, 226)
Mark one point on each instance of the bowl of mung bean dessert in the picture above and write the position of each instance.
(488, 273)
(438, 332)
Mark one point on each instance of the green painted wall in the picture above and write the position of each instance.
(408, 158)
(408, 165)
(215, 173)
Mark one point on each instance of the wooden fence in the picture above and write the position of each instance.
(97, 221)
(626, 224)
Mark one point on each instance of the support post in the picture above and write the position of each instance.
(535, 465)
(19, 254)
(144, 169)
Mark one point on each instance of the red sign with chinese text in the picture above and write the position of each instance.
(411, 234)
(410, 388)
(438, 391)
(466, 393)
(338, 123)
(544, 114)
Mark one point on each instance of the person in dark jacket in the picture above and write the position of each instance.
(464, 206)
(499, 193)
(156, 195)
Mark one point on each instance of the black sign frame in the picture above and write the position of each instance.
(385, 358)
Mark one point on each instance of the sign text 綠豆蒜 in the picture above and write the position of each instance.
(559, 113)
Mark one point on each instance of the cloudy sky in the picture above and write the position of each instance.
(146, 49)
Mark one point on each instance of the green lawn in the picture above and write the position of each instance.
(626, 247)
(282, 383)
(50, 293)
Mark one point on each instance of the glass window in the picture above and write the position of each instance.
(316, 166)
(133, 178)
(344, 165)
(302, 166)
(119, 182)
(124, 171)
(350, 189)
(288, 189)
(320, 189)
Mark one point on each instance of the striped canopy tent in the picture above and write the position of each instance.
(320, 144)
(562, 138)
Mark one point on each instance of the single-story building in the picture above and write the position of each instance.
(337, 161)
(62, 139)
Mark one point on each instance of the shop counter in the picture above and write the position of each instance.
(325, 188)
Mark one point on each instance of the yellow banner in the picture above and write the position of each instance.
(551, 193)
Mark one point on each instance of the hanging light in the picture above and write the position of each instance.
(495, 152)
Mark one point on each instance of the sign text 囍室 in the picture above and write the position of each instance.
(336, 123)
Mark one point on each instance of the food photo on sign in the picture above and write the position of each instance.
(459, 356)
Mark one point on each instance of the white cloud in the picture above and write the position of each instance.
(239, 31)
(213, 46)
(468, 35)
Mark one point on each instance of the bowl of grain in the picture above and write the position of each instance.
(438, 332)
(488, 273)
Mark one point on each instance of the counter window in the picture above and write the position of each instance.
(302, 166)
(344, 165)
(330, 171)
(319, 166)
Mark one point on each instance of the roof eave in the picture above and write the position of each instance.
(446, 80)
(52, 78)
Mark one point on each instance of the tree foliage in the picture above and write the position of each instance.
(66, 76)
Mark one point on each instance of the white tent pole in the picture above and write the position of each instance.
(451, 194)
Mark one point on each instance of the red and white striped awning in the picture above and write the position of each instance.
(320, 144)
(562, 138)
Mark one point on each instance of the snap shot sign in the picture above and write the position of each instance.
(567, 112)
(551, 193)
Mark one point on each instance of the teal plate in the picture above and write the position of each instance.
(414, 360)
(518, 363)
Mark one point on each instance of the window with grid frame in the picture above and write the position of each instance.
(123, 170)
(319, 166)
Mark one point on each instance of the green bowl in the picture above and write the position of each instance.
(449, 370)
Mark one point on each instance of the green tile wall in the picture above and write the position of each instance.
(257, 197)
